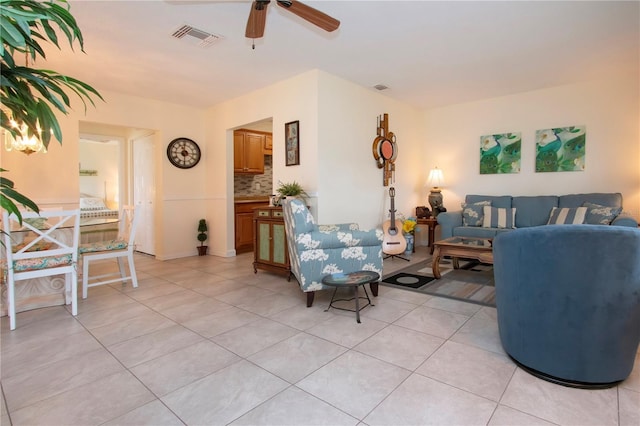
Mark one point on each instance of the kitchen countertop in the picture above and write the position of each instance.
(252, 199)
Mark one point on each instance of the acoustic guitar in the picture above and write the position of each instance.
(393, 242)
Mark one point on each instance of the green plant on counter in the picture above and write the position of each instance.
(291, 189)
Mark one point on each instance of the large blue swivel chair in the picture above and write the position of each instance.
(568, 301)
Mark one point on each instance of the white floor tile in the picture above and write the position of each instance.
(400, 346)
(472, 369)
(222, 397)
(153, 345)
(414, 360)
(90, 404)
(436, 322)
(154, 413)
(298, 356)
(507, 416)
(560, 404)
(182, 367)
(32, 385)
(254, 337)
(294, 407)
(355, 383)
(345, 331)
(424, 401)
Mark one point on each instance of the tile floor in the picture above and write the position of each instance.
(205, 341)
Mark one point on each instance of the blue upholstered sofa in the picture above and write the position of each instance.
(319, 250)
(591, 208)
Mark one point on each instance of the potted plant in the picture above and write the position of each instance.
(30, 95)
(202, 237)
(291, 189)
(27, 94)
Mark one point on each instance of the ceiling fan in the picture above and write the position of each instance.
(258, 16)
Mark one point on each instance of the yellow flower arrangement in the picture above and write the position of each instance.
(409, 225)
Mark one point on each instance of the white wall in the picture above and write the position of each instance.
(52, 178)
(337, 168)
(350, 185)
(338, 125)
(293, 99)
(608, 108)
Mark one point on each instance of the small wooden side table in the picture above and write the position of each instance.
(431, 223)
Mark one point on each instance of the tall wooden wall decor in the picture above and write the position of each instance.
(385, 150)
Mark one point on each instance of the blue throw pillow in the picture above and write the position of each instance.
(566, 215)
(495, 217)
(600, 215)
(472, 213)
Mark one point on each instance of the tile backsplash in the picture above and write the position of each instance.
(247, 185)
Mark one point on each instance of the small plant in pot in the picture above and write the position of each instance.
(291, 189)
(202, 237)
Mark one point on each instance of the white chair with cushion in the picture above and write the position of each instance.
(45, 244)
(119, 249)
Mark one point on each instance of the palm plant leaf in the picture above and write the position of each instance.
(32, 94)
(9, 196)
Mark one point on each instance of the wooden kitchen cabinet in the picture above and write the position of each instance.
(244, 231)
(248, 151)
(270, 250)
(268, 144)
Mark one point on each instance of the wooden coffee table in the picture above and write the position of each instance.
(456, 247)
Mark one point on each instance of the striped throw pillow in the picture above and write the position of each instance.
(497, 217)
(566, 215)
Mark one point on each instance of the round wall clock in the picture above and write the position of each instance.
(183, 153)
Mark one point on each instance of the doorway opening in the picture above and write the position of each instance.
(117, 165)
(251, 185)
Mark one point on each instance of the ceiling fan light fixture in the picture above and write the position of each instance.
(258, 16)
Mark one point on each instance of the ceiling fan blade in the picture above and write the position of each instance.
(257, 20)
(310, 14)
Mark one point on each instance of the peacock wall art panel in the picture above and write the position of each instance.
(500, 153)
(561, 149)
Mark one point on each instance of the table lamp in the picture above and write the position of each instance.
(435, 181)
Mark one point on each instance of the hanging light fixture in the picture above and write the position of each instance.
(24, 142)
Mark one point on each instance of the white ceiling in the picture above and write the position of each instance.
(428, 53)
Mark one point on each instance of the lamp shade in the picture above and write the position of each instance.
(436, 178)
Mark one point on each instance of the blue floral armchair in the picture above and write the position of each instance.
(319, 250)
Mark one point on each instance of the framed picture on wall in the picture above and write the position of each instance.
(500, 153)
(561, 149)
(292, 143)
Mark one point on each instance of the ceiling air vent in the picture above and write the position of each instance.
(202, 38)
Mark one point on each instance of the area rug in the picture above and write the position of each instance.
(473, 282)
(408, 280)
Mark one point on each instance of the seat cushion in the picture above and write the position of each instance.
(24, 265)
(533, 210)
(102, 246)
